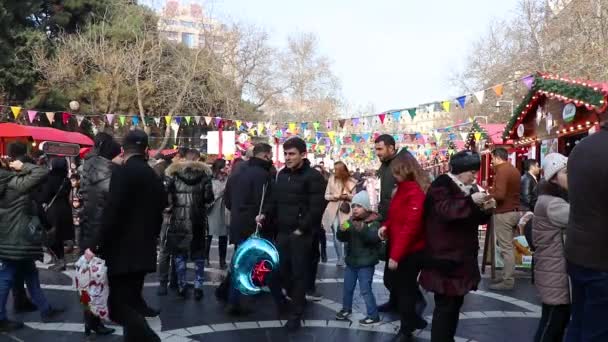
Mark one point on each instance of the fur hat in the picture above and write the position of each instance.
(362, 199)
(464, 161)
(552, 164)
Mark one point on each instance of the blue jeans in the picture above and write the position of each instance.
(28, 270)
(179, 262)
(365, 275)
(589, 305)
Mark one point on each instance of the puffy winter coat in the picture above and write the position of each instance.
(362, 242)
(190, 191)
(94, 189)
(298, 199)
(404, 222)
(18, 213)
(548, 227)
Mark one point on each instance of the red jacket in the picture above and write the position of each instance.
(405, 221)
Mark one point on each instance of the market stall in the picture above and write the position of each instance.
(483, 138)
(555, 115)
(10, 132)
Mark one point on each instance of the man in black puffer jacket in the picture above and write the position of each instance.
(190, 191)
(297, 203)
(94, 188)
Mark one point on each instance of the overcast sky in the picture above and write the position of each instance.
(391, 53)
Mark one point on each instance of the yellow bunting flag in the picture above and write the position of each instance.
(238, 123)
(446, 105)
(167, 119)
(331, 135)
(498, 89)
(16, 111)
(477, 136)
(292, 127)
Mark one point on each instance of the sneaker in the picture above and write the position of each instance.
(344, 315)
(313, 296)
(367, 321)
(52, 315)
(7, 326)
(293, 324)
(501, 287)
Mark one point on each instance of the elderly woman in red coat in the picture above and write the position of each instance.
(404, 232)
(454, 209)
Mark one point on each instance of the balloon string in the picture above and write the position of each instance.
(258, 225)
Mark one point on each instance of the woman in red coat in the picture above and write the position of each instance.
(404, 233)
(454, 209)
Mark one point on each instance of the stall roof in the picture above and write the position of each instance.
(494, 132)
(12, 130)
(588, 94)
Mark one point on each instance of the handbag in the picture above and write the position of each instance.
(345, 207)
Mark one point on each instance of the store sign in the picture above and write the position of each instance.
(569, 112)
(520, 131)
(60, 149)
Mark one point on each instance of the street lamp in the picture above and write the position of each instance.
(498, 105)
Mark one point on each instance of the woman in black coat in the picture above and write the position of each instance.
(56, 197)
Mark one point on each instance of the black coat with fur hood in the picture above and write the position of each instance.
(190, 191)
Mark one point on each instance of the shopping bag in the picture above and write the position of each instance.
(91, 281)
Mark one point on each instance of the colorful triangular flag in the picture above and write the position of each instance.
(238, 124)
(50, 116)
(249, 124)
(65, 118)
(341, 122)
(178, 120)
(218, 121)
(121, 118)
(412, 113)
(188, 118)
(208, 120)
(464, 136)
(135, 120)
(446, 106)
(110, 118)
(382, 117)
(397, 116)
(498, 89)
(157, 121)
(528, 81)
(79, 119)
(31, 115)
(16, 111)
(197, 119)
(316, 125)
(167, 119)
(462, 100)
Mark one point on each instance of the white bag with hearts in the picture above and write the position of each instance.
(92, 284)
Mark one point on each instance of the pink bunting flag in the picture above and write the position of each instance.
(31, 115)
(382, 117)
(65, 117)
(528, 81)
(110, 118)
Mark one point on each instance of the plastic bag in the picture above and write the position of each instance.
(91, 281)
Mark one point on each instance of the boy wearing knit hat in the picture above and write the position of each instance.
(360, 233)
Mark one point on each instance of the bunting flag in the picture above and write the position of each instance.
(480, 95)
(197, 119)
(464, 136)
(356, 122)
(461, 101)
(109, 117)
(304, 126)
(528, 81)
(477, 136)
(157, 121)
(178, 120)
(292, 127)
(341, 122)
(65, 118)
(16, 111)
(121, 118)
(437, 136)
(498, 89)
(249, 124)
(331, 135)
(188, 118)
(397, 116)
(430, 108)
(79, 119)
(208, 120)
(50, 116)
(316, 125)
(382, 117)
(328, 124)
(31, 115)
(135, 120)
(260, 127)
(218, 121)
(238, 124)
(167, 120)
(412, 113)
(446, 106)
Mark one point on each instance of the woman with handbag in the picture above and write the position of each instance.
(56, 200)
(339, 192)
(217, 214)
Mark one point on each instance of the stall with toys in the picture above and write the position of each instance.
(555, 115)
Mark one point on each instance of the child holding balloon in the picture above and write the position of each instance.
(360, 233)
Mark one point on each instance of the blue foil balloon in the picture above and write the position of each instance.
(250, 253)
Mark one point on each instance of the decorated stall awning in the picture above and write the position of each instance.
(590, 95)
(11, 130)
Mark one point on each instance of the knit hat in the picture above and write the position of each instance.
(552, 164)
(362, 199)
(464, 161)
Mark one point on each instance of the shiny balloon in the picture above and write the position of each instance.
(246, 257)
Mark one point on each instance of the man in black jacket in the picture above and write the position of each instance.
(297, 202)
(243, 196)
(529, 180)
(129, 235)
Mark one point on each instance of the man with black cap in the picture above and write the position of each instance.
(129, 233)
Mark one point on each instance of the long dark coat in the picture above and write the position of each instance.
(133, 218)
(59, 213)
(452, 220)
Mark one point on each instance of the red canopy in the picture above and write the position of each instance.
(11, 130)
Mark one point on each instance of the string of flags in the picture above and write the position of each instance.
(335, 130)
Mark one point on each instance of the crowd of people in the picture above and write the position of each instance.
(425, 230)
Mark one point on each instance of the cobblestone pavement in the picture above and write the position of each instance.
(486, 316)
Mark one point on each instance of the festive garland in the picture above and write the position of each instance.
(565, 90)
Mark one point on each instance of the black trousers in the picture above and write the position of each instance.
(295, 269)
(222, 242)
(445, 317)
(404, 283)
(388, 280)
(553, 323)
(316, 258)
(58, 249)
(124, 303)
(323, 241)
